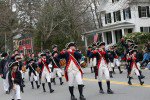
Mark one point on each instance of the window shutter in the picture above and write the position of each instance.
(112, 1)
(119, 15)
(110, 17)
(114, 16)
(141, 28)
(105, 18)
(129, 9)
(124, 16)
(139, 10)
(148, 13)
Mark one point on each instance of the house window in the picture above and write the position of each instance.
(127, 13)
(108, 18)
(145, 29)
(117, 16)
(113, 1)
(118, 34)
(144, 11)
(109, 37)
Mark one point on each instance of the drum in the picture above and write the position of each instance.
(83, 64)
(62, 62)
(38, 69)
(24, 69)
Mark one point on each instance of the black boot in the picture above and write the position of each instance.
(32, 85)
(71, 88)
(54, 81)
(43, 84)
(120, 70)
(114, 71)
(129, 82)
(100, 86)
(61, 82)
(142, 76)
(141, 82)
(91, 69)
(109, 91)
(110, 73)
(80, 88)
(37, 84)
(50, 88)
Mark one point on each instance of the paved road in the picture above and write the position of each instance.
(118, 84)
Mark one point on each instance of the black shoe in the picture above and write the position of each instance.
(61, 83)
(32, 87)
(51, 91)
(141, 83)
(73, 98)
(121, 72)
(82, 98)
(38, 86)
(44, 90)
(101, 91)
(110, 91)
(114, 72)
(129, 82)
(111, 76)
(7, 92)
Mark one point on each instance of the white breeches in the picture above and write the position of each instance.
(5, 83)
(134, 70)
(22, 74)
(45, 76)
(90, 63)
(103, 70)
(111, 66)
(57, 71)
(138, 65)
(94, 62)
(33, 77)
(117, 62)
(16, 92)
(74, 75)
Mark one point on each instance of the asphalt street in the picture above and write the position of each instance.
(122, 91)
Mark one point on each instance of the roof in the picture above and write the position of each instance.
(112, 27)
(22, 36)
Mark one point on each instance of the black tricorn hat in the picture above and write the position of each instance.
(43, 54)
(133, 50)
(102, 43)
(68, 45)
(94, 44)
(13, 64)
(128, 40)
(54, 53)
(4, 54)
(89, 46)
(54, 46)
(31, 60)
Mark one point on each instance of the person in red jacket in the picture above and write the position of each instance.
(133, 66)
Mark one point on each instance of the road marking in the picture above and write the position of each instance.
(119, 83)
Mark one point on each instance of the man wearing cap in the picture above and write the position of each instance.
(73, 69)
(102, 64)
(32, 73)
(45, 72)
(56, 68)
(4, 71)
(133, 66)
(15, 79)
(116, 59)
(89, 58)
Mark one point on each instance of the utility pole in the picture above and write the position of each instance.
(5, 42)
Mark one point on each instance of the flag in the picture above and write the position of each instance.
(95, 37)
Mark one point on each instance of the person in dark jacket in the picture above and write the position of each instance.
(15, 79)
(4, 71)
(32, 73)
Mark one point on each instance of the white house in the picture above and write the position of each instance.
(120, 17)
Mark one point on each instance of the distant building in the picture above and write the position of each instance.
(23, 43)
(120, 17)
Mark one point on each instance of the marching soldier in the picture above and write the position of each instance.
(56, 68)
(102, 66)
(45, 72)
(15, 79)
(73, 69)
(32, 73)
(133, 66)
(89, 60)
(4, 71)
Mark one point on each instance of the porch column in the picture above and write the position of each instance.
(103, 37)
(85, 40)
(123, 32)
(113, 37)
